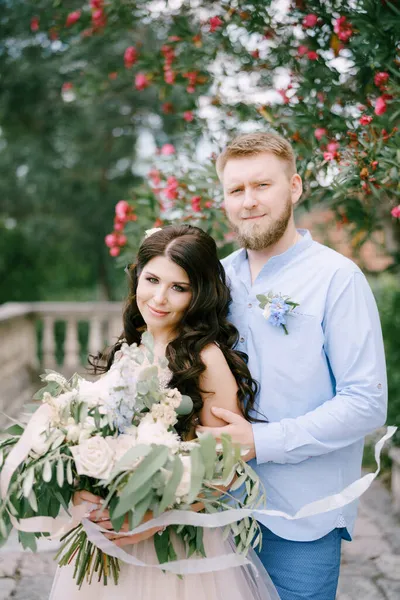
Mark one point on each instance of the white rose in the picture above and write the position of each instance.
(184, 485)
(77, 432)
(94, 457)
(267, 311)
(150, 432)
(164, 413)
(123, 443)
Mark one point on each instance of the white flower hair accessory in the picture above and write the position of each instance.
(150, 232)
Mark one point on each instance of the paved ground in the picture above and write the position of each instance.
(370, 564)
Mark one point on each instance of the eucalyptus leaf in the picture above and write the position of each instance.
(47, 471)
(70, 478)
(185, 407)
(197, 474)
(161, 545)
(209, 454)
(151, 463)
(172, 484)
(136, 515)
(128, 459)
(33, 501)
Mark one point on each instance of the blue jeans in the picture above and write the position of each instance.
(303, 570)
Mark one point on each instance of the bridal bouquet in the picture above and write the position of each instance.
(116, 438)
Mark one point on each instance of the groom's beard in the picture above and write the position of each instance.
(252, 237)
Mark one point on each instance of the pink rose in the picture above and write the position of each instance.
(141, 81)
(167, 149)
(320, 132)
(72, 18)
(310, 21)
(395, 212)
(381, 78)
(130, 56)
(188, 116)
(365, 120)
(215, 23)
(380, 106)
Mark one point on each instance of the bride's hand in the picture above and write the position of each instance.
(102, 517)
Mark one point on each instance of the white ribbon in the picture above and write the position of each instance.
(59, 525)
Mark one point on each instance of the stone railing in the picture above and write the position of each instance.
(52, 335)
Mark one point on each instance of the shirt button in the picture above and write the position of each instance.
(241, 340)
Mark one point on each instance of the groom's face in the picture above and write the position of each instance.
(259, 195)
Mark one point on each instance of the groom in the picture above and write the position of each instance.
(322, 384)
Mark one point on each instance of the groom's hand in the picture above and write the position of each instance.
(237, 427)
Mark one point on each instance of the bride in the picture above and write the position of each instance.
(178, 293)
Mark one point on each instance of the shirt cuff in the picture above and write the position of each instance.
(269, 443)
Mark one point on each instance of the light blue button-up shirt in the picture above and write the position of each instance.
(322, 387)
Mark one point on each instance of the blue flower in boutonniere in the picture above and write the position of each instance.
(275, 309)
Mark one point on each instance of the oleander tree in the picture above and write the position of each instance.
(324, 73)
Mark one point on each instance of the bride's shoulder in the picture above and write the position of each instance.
(212, 356)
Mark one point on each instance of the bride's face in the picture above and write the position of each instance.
(163, 293)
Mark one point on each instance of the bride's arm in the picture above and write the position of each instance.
(219, 385)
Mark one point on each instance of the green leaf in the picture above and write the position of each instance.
(28, 482)
(14, 430)
(128, 502)
(117, 521)
(47, 471)
(197, 474)
(136, 515)
(161, 545)
(209, 454)
(172, 484)
(185, 407)
(152, 463)
(128, 459)
(33, 501)
(28, 540)
(238, 483)
(228, 456)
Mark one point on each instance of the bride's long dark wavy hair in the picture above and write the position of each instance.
(205, 321)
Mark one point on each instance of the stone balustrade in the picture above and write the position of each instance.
(49, 335)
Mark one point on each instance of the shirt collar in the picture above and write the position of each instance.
(280, 259)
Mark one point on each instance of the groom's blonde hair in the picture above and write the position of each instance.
(253, 144)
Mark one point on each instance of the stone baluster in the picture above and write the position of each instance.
(71, 346)
(115, 328)
(49, 344)
(96, 342)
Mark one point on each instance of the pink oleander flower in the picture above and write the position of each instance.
(195, 202)
(142, 81)
(119, 225)
(329, 156)
(121, 240)
(215, 23)
(96, 4)
(67, 86)
(154, 175)
(302, 50)
(167, 150)
(312, 55)
(381, 78)
(380, 106)
(395, 212)
(310, 21)
(122, 208)
(130, 56)
(320, 132)
(99, 18)
(72, 18)
(188, 116)
(110, 240)
(115, 251)
(365, 120)
(332, 147)
(343, 29)
(169, 77)
(35, 24)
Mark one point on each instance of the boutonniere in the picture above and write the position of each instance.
(275, 308)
